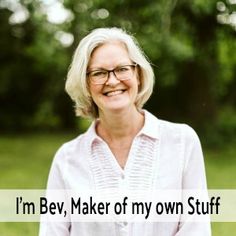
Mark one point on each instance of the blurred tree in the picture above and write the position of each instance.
(19, 84)
(33, 67)
(190, 44)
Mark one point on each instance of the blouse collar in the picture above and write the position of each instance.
(150, 128)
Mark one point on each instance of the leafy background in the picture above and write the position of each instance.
(191, 45)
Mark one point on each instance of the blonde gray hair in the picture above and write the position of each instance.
(77, 84)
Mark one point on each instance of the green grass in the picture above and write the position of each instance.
(221, 174)
(221, 167)
(25, 161)
(24, 164)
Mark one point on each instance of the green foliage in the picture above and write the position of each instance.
(227, 63)
(190, 43)
(223, 130)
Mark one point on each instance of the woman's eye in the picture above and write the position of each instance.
(122, 69)
(98, 73)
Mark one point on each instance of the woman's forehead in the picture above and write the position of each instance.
(109, 54)
(112, 45)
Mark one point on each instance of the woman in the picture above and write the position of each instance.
(110, 80)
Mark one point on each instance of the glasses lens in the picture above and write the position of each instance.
(124, 72)
(98, 76)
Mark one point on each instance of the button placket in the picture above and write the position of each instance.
(122, 181)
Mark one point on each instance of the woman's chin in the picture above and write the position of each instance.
(115, 107)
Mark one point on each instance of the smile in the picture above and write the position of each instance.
(114, 93)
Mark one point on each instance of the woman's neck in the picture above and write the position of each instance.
(119, 126)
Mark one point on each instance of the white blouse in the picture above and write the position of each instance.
(163, 155)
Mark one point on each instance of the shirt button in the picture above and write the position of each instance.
(122, 176)
(125, 223)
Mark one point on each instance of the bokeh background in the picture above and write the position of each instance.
(191, 45)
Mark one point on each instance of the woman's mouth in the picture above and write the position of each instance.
(114, 93)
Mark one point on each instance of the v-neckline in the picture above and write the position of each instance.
(114, 162)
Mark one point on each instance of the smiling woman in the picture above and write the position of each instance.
(120, 88)
(126, 147)
(93, 46)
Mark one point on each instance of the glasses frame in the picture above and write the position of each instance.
(108, 73)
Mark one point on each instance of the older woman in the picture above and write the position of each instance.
(110, 80)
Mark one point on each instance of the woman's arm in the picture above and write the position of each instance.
(193, 178)
(56, 182)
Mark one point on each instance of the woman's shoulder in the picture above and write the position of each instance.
(175, 125)
(75, 144)
(182, 130)
(169, 128)
(72, 148)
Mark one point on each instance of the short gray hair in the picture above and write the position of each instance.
(77, 84)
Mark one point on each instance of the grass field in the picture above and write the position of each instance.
(25, 161)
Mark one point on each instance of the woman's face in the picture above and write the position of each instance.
(115, 95)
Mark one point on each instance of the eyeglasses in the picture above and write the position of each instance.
(101, 76)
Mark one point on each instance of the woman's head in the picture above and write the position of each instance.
(77, 84)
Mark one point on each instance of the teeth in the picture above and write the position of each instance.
(113, 93)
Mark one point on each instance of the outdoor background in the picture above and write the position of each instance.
(191, 45)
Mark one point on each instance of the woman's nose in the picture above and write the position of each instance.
(112, 79)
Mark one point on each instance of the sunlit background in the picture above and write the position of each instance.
(191, 45)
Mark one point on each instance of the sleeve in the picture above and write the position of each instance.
(56, 182)
(193, 178)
